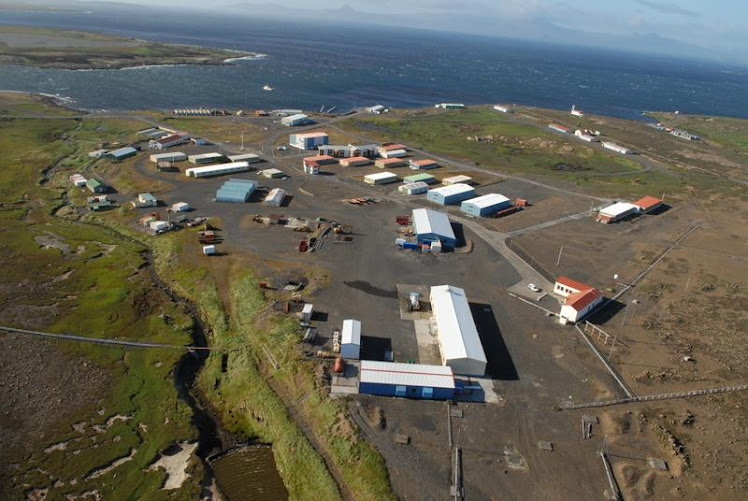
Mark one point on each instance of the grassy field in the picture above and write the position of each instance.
(526, 147)
(68, 49)
(727, 132)
(16, 103)
(88, 281)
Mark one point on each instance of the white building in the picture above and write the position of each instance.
(579, 299)
(457, 179)
(245, 157)
(217, 170)
(576, 112)
(297, 119)
(306, 312)
(205, 158)
(616, 212)
(272, 173)
(145, 200)
(275, 197)
(174, 156)
(503, 109)
(376, 109)
(381, 178)
(78, 180)
(416, 188)
(350, 340)
(180, 207)
(459, 342)
(394, 150)
(97, 153)
(585, 137)
(616, 147)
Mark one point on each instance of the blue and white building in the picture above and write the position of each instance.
(432, 382)
(485, 205)
(452, 194)
(308, 140)
(432, 226)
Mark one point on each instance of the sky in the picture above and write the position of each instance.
(716, 29)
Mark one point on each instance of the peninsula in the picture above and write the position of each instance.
(77, 50)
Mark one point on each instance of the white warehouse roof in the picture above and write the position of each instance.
(249, 157)
(617, 209)
(430, 221)
(435, 376)
(351, 333)
(489, 200)
(457, 179)
(380, 176)
(459, 341)
(453, 189)
(203, 156)
(215, 170)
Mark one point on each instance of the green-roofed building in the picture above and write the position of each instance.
(96, 186)
(415, 178)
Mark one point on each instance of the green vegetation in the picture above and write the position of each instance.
(88, 281)
(501, 144)
(730, 133)
(57, 48)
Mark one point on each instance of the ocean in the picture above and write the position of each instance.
(313, 65)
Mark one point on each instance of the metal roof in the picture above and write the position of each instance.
(617, 209)
(418, 185)
(276, 195)
(418, 177)
(233, 166)
(457, 179)
(351, 333)
(453, 189)
(310, 134)
(212, 154)
(458, 336)
(430, 221)
(488, 200)
(378, 176)
(429, 376)
(127, 150)
(243, 156)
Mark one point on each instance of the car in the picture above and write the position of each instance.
(533, 287)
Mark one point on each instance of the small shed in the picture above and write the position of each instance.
(180, 207)
(616, 212)
(275, 197)
(457, 179)
(350, 339)
(272, 173)
(209, 250)
(307, 311)
(96, 186)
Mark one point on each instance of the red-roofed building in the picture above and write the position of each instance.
(169, 141)
(354, 161)
(647, 204)
(580, 300)
(311, 164)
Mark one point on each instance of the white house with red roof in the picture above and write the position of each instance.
(579, 299)
(648, 204)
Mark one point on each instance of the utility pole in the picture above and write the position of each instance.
(242, 147)
(558, 261)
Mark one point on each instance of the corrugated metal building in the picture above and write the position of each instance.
(217, 170)
(121, 153)
(381, 178)
(425, 163)
(354, 161)
(174, 156)
(297, 119)
(430, 225)
(452, 194)
(433, 382)
(245, 157)
(459, 342)
(96, 186)
(206, 158)
(485, 205)
(272, 173)
(390, 163)
(350, 340)
(236, 191)
(275, 197)
(413, 188)
(422, 178)
(457, 179)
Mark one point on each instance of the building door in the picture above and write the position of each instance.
(399, 391)
(427, 393)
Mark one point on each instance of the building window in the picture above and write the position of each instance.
(427, 393)
(399, 391)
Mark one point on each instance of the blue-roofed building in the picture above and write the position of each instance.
(432, 226)
(485, 205)
(122, 153)
(432, 382)
(236, 191)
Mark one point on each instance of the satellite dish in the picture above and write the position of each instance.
(615, 277)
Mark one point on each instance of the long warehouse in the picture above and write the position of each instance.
(430, 225)
(459, 342)
(485, 205)
(217, 170)
(451, 194)
(406, 380)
